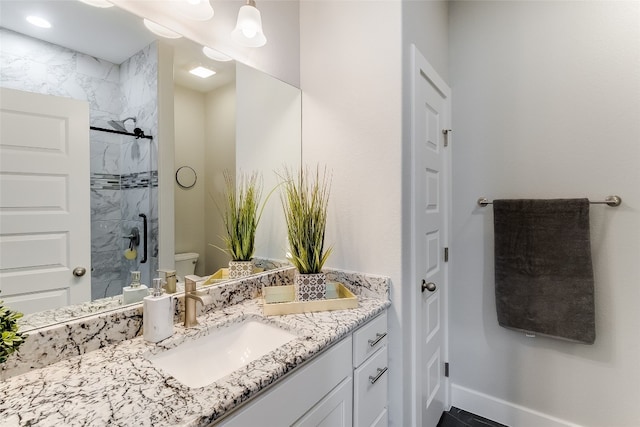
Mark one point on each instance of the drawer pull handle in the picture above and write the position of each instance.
(372, 343)
(380, 373)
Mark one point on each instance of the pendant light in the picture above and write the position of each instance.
(248, 31)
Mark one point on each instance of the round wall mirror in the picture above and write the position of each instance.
(186, 177)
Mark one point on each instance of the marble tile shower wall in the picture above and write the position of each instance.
(120, 165)
(139, 83)
(107, 244)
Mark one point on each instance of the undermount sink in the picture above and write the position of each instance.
(205, 360)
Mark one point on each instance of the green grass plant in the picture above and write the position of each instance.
(305, 199)
(241, 215)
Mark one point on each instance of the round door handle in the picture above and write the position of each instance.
(79, 271)
(430, 286)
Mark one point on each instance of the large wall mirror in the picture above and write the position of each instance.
(238, 120)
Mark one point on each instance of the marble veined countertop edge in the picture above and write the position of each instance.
(117, 386)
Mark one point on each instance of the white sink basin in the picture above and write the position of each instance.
(202, 361)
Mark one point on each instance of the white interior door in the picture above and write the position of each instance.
(430, 121)
(44, 201)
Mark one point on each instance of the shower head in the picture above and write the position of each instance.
(119, 124)
(139, 133)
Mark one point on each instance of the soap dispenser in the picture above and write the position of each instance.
(136, 291)
(169, 280)
(157, 315)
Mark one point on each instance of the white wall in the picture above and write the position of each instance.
(355, 109)
(350, 73)
(190, 151)
(546, 104)
(350, 78)
(268, 138)
(426, 24)
(220, 154)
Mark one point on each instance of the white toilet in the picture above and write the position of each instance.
(186, 264)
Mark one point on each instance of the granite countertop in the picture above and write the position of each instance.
(117, 386)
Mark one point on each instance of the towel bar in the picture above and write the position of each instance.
(612, 201)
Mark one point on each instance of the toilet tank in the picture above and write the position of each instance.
(185, 264)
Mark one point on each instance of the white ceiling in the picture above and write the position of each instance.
(111, 34)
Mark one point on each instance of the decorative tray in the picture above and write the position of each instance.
(223, 274)
(280, 300)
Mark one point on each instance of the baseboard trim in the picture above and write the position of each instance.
(502, 411)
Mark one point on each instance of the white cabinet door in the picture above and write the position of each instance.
(44, 200)
(297, 393)
(382, 420)
(370, 389)
(335, 410)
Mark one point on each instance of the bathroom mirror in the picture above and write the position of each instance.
(186, 177)
(258, 134)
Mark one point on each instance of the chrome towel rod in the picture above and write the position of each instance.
(612, 201)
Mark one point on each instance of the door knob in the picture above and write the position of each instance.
(79, 271)
(430, 286)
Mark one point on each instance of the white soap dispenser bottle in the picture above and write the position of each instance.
(135, 291)
(157, 315)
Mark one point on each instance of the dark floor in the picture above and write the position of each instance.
(456, 417)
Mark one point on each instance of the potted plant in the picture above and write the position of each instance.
(241, 217)
(11, 338)
(305, 202)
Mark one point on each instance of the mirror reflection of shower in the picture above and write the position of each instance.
(121, 185)
(119, 124)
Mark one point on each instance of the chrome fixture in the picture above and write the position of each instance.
(612, 201)
(79, 271)
(119, 124)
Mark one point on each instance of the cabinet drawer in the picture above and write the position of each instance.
(369, 338)
(370, 389)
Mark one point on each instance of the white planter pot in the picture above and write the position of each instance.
(240, 269)
(310, 286)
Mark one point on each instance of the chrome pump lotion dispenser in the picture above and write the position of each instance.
(157, 314)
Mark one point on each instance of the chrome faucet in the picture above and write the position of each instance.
(190, 302)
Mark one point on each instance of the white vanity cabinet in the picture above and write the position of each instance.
(300, 392)
(334, 410)
(370, 376)
(344, 386)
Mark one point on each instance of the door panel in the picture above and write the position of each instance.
(430, 175)
(44, 200)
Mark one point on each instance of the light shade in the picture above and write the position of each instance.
(215, 54)
(161, 31)
(248, 31)
(98, 3)
(198, 10)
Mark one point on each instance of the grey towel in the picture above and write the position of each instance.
(543, 271)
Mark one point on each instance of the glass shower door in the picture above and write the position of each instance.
(120, 211)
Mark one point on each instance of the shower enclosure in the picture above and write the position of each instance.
(122, 195)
